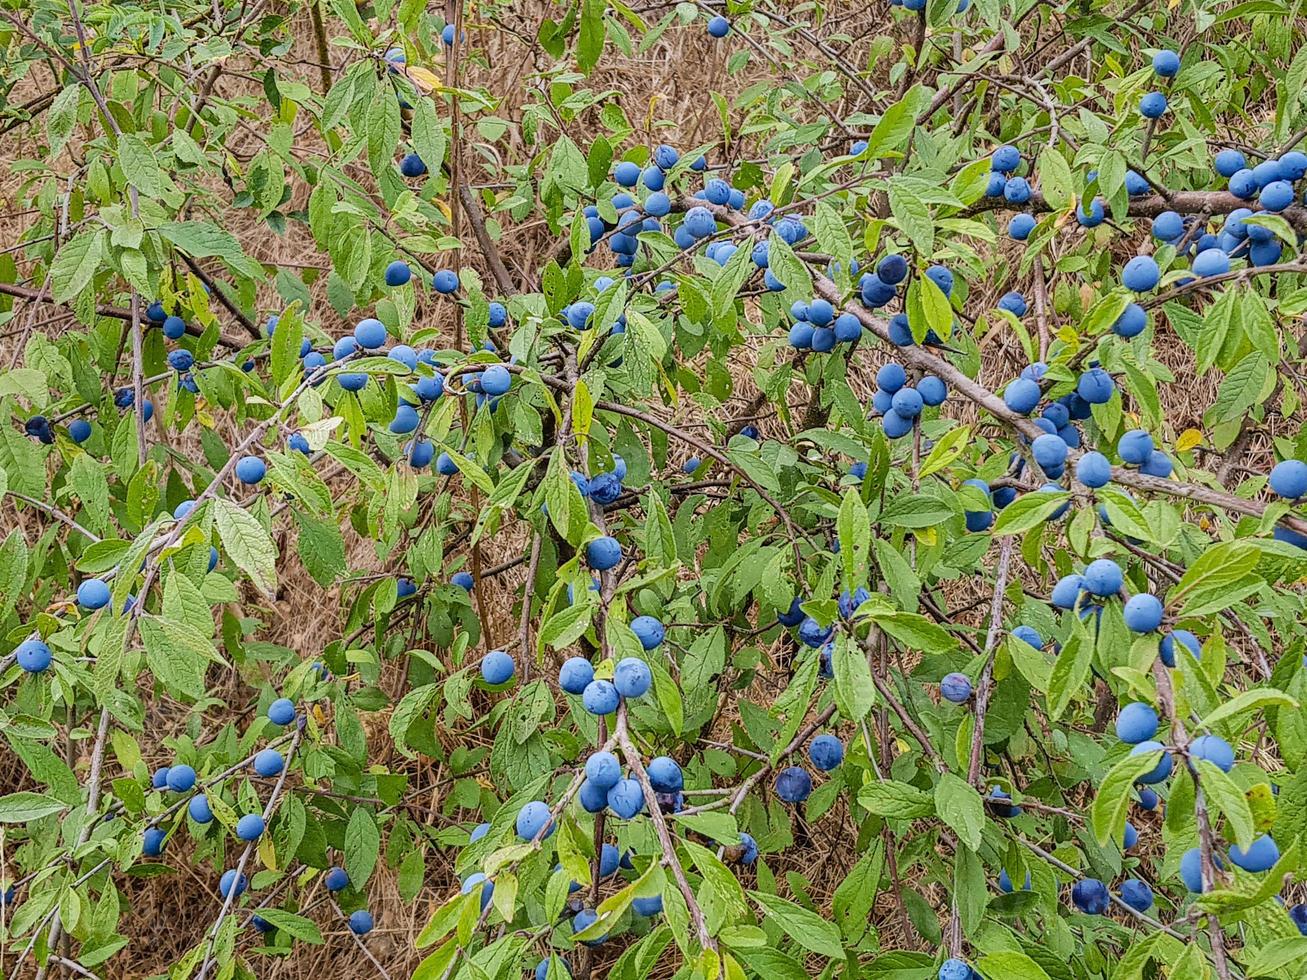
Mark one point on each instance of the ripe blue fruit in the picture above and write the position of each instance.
(479, 831)
(1103, 577)
(1131, 322)
(420, 452)
(955, 687)
(793, 784)
(1141, 274)
(445, 465)
(1166, 63)
(626, 173)
(1090, 896)
(268, 763)
(665, 157)
(1243, 184)
(592, 798)
(1094, 216)
(370, 333)
(699, 222)
(826, 752)
(794, 615)
(1293, 165)
(1152, 105)
(478, 881)
(1005, 882)
(942, 277)
(1014, 303)
(360, 920)
(412, 165)
(665, 775)
(1027, 634)
(823, 340)
(847, 328)
(1137, 895)
(174, 327)
(932, 390)
(93, 594)
(1137, 723)
(907, 402)
(603, 553)
(249, 827)
(603, 770)
(647, 906)
(1289, 479)
(994, 186)
(542, 969)
(33, 656)
(533, 821)
(1021, 396)
(1187, 640)
(1067, 591)
(1005, 159)
(954, 969)
(1134, 446)
(1143, 613)
(626, 798)
(1191, 869)
(718, 26)
(1096, 386)
(445, 281)
(1215, 750)
(1147, 798)
(800, 336)
(575, 674)
(812, 633)
(1163, 768)
(653, 178)
(250, 470)
(181, 778)
(79, 430)
(600, 697)
(1260, 856)
(405, 421)
(1049, 451)
(199, 809)
(648, 631)
(152, 841)
(1094, 470)
(1168, 226)
(891, 377)
(1020, 227)
(1298, 913)
(336, 880)
(892, 269)
(895, 426)
(497, 668)
(181, 360)
(281, 711)
(398, 273)
(632, 677)
(1016, 190)
(1229, 162)
(160, 778)
(1000, 809)
(232, 884)
(1276, 196)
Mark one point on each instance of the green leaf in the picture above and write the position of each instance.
(832, 236)
(140, 166)
(1010, 965)
(960, 806)
(890, 798)
(1223, 793)
(22, 807)
(247, 543)
(1028, 511)
(913, 217)
(1247, 701)
(854, 691)
(203, 240)
(808, 929)
(76, 264)
(1112, 802)
(854, 529)
(362, 847)
(293, 925)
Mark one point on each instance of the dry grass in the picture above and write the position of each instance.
(664, 94)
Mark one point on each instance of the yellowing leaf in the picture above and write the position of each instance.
(1188, 439)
